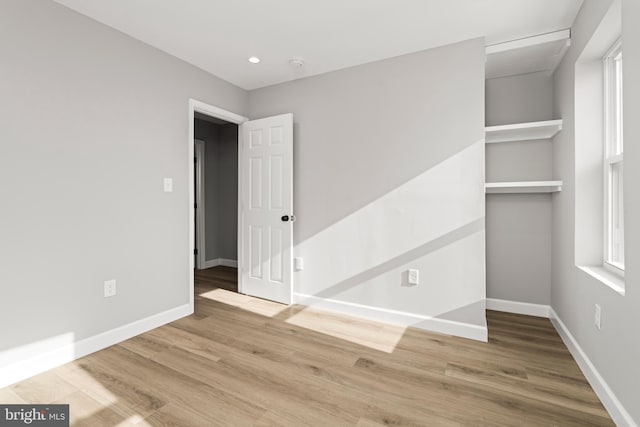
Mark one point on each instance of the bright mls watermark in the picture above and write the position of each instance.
(34, 415)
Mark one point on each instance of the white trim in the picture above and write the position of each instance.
(240, 217)
(523, 187)
(538, 310)
(213, 111)
(611, 403)
(443, 326)
(614, 268)
(192, 198)
(613, 141)
(217, 112)
(30, 363)
(530, 131)
(228, 262)
(605, 276)
(530, 41)
(220, 261)
(210, 264)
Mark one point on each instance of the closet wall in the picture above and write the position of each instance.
(519, 225)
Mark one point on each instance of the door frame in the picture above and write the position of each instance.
(220, 113)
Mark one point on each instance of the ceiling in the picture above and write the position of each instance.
(529, 55)
(219, 35)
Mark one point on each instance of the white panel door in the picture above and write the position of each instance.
(266, 156)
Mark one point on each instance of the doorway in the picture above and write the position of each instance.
(216, 202)
(211, 127)
(264, 207)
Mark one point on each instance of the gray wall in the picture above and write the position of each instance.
(519, 247)
(366, 134)
(614, 350)
(91, 121)
(208, 133)
(227, 205)
(221, 190)
(519, 225)
(517, 99)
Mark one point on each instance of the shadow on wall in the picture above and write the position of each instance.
(403, 259)
(433, 222)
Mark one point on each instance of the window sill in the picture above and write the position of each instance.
(607, 277)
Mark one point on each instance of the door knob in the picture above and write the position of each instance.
(285, 218)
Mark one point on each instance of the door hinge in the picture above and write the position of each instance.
(195, 205)
(195, 160)
(195, 252)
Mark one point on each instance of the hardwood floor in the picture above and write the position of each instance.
(217, 277)
(241, 361)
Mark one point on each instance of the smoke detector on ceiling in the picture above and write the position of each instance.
(296, 62)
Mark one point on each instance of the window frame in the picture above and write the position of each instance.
(613, 155)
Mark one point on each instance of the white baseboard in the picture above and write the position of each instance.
(611, 403)
(30, 363)
(220, 261)
(443, 326)
(538, 310)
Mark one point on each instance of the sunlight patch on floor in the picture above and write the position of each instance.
(92, 388)
(378, 336)
(134, 420)
(93, 403)
(245, 302)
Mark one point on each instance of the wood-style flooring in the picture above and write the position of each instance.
(216, 277)
(241, 361)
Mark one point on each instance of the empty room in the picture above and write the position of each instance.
(319, 213)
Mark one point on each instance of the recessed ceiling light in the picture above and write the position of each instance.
(254, 59)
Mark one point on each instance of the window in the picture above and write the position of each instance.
(613, 161)
(598, 196)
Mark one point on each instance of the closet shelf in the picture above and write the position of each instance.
(523, 187)
(522, 131)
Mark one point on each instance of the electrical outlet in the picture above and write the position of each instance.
(298, 264)
(413, 277)
(598, 317)
(109, 288)
(168, 185)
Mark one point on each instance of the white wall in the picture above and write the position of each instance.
(91, 121)
(614, 350)
(519, 225)
(389, 173)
